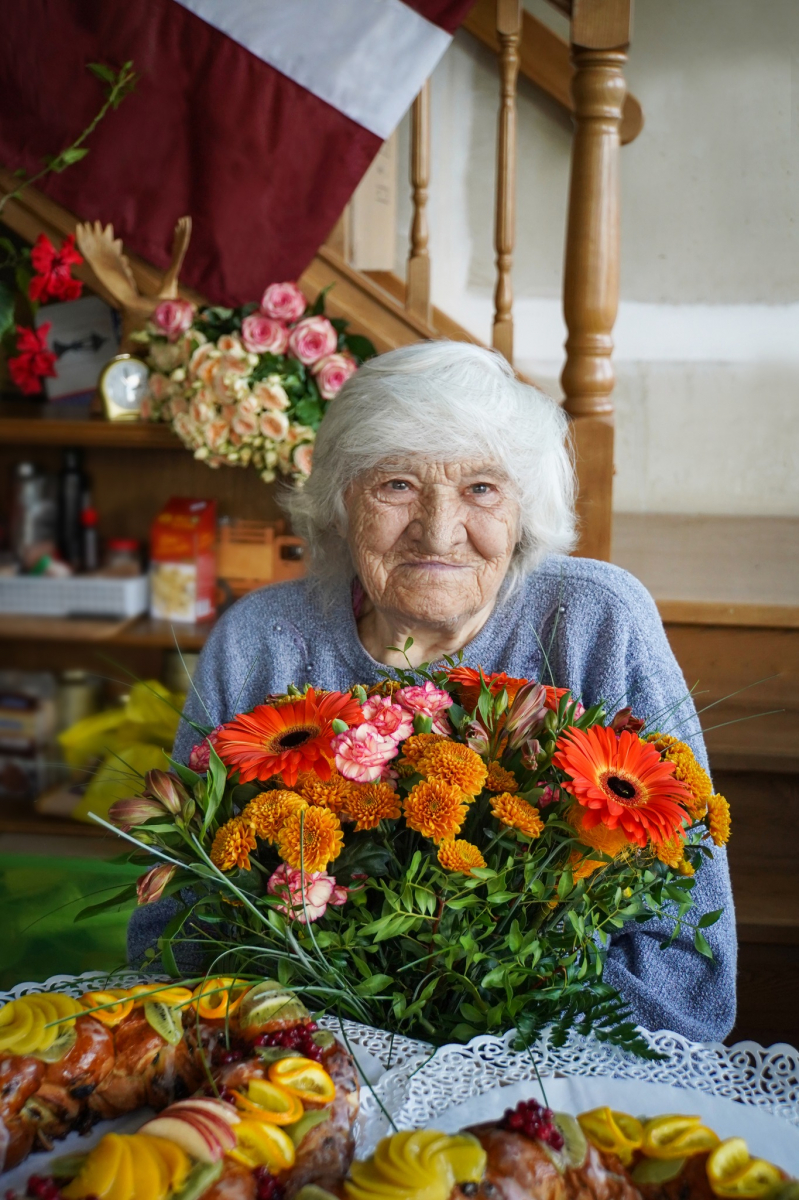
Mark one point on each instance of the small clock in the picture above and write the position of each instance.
(123, 386)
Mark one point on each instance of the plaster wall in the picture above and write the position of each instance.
(707, 339)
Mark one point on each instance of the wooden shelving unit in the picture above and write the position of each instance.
(35, 425)
(140, 631)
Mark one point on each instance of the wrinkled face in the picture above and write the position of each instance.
(432, 541)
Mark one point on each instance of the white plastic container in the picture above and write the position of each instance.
(78, 596)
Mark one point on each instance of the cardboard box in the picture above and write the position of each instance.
(183, 561)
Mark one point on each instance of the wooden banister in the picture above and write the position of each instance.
(545, 59)
(509, 25)
(417, 292)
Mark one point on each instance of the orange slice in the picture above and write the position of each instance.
(110, 1007)
(732, 1173)
(260, 1144)
(220, 997)
(616, 1132)
(304, 1078)
(267, 1101)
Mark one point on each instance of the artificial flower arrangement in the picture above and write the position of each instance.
(445, 853)
(248, 386)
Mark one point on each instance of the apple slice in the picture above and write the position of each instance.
(218, 1108)
(198, 1142)
(216, 1129)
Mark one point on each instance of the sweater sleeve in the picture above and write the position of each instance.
(676, 988)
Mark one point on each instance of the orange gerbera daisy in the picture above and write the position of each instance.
(467, 682)
(334, 793)
(452, 762)
(283, 741)
(232, 845)
(372, 803)
(414, 747)
(310, 838)
(718, 819)
(266, 814)
(621, 782)
(435, 809)
(500, 780)
(599, 837)
(686, 769)
(459, 855)
(518, 813)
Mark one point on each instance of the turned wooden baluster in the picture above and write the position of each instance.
(591, 275)
(509, 24)
(417, 289)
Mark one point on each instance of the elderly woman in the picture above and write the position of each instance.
(440, 509)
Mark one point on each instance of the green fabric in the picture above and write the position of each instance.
(39, 899)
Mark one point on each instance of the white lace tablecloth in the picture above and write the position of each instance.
(414, 1082)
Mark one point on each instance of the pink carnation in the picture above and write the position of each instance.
(316, 888)
(362, 753)
(331, 373)
(389, 719)
(283, 302)
(200, 755)
(312, 339)
(263, 335)
(174, 317)
(429, 701)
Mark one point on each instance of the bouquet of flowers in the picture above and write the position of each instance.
(445, 853)
(248, 386)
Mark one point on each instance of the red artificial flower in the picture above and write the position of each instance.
(33, 361)
(467, 683)
(554, 696)
(53, 279)
(621, 781)
(287, 738)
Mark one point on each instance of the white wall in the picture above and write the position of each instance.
(707, 340)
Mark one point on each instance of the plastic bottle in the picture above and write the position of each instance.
(90, 549)
(71, 486)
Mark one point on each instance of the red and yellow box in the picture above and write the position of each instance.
(183, 561)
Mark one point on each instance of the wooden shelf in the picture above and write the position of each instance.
(30, 424)
(141, 631)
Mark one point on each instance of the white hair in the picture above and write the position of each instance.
(440, 401)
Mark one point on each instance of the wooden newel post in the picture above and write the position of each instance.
(591, 274)
(417, 291)
(509, 25)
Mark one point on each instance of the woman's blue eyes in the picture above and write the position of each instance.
(401, 485)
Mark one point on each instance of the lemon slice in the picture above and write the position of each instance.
(259, 1144)
(52, 1017)
(33, 1039)
(674, 1136)
(729, 1159)
(16, 1022)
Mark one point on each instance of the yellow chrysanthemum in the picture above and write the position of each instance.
(435, 809)
(518, 813)
(335, 793)
(500, 780)
(583, 867)
(686, 769)
(415, 746)
(372, 803)
(452, 762)
(459, 855)
(718, 819)
(266, 813)
(670, 851)
(311, 838)
(232, 845)
(685, 868)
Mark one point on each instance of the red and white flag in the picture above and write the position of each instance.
(257, 117)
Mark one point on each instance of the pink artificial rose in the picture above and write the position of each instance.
(270, 393)
(317, 889)
(283, 302)
(173, 317)
(150, 887)
(331, 373)
(362, 753)
(303, 458)
(550, 795)
(312, 339)
(389, 719)
(158, 386)
(245, 424)
(274, 425)
(429, 701)
(263, 335)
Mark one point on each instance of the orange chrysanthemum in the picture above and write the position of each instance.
(283, 741)
(518, 813)
(334, 793)
(232, 845)
(719, 822)
(686, 769)
(583, 867)
(266, 814)
(435, 809)
(500, 780)
(467, 683)
(599, 837)
(620, 781)
(310, 838)
(452, 762)
(372, 803)
(415, 746)
(459, 855)
(670, 851)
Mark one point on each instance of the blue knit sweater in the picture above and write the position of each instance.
(587, 625)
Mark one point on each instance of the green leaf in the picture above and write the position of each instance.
(359, 347)
(377, 983)
(701, 944)
(101, 71)
(125, 896)
(217, 778)
(709, 918)
(7, 300)
(565, 884)
(73, 154)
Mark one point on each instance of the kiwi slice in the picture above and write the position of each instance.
(324, 1039)
(787, 1190)
(270, 1001)
(312, 1191)
(270, 1054)
(67, 1166)
(164, 1020)
(310, 1119)
(60, 1048)
(657, 1170)
(199, 1179)
(575, 1144)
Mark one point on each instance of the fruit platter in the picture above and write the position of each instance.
(228, 1089)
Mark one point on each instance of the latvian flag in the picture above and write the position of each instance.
(257, 117)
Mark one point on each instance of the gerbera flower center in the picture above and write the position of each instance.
(621, 787)
(293, 738)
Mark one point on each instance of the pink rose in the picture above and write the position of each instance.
(262, 335)
(429, 701)
(274, 425)
(173, 317)
(283, 302)
(303, 458)
(200, 755)
(158, 386)
(391, 720)
(362, 752)
(230, 343)
(305, 898)
(312, 339)
(331, 373)
(270, 393)
(245, 424)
